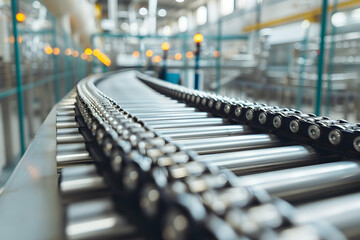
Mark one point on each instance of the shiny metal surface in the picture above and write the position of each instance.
(160, 104)
(188, 123)
(66, 131)
(306, 183)
(107, 226)
(75, 147)
(67, 125)
(342, 212)
(73, 156)
(66, 107)
(66, 159)
(195, 115)
(200, 132)
(79, 186)
(156, 109)
(230, 143)
(260, 160)
(89, 208)
(70, 138)
(65, 118)
(30, 197)
(167, 114)
(73, 172)
(65, 113)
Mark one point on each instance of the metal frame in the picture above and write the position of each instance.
(52, 77)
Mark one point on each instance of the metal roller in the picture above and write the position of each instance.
(75, 147)
(77, 181)
(70, 138)
(65, 113)
(304, 183)
(341, 212)
(230, 143)
(260, 160)
(159, 110)
(201, 132)
(66, 107)
(66, 131)
(60, 125)
(142, 116)
(235, 170)
(161, 104)
(195, 115)
(104, 226)
(65, 118)
(188, 123)
(67, 159)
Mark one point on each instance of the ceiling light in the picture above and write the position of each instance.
(124, 26)
(183, 23)
(143, 11)
(305, 24)
(36, 4)
(162, 12)
(179, 1)
(338, 19)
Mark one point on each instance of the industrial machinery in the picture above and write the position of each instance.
(140, 158)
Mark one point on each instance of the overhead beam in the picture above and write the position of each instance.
(311, 15)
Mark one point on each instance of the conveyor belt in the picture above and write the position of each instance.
(145, 159)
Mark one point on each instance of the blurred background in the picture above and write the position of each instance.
(297, 54)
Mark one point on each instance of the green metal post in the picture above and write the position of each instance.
(18, 78)
(218, 59)
(67, 64)
(331, 61)
(56, 63)
(302, 70)
(185, 61)
(321, 57)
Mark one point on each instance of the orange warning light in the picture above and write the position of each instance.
(189, 54)
(178, 56)
(149, 53)
(20, 17)
(198, 38)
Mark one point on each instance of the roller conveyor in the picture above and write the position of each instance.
(174, 163)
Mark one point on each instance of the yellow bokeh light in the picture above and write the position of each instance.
(88, 51)
(96, 52)
(198, 38)
(102, 57)
(149, 53)
(20, 17)
(48, 50)
(165, 46)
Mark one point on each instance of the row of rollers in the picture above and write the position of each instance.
(88, 203)
(335, 134)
